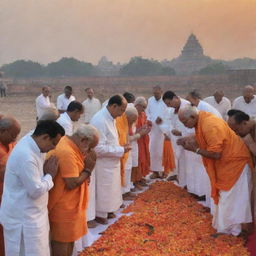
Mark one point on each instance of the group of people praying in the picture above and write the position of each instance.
(82, 160)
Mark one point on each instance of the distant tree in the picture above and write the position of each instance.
(23, 69)
(70, 67)
(139, 66)
(213, 69)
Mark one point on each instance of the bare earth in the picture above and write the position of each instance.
(20, 102)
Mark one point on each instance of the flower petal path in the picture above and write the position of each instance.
(166, 220)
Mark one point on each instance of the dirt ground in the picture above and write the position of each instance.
(20, 102)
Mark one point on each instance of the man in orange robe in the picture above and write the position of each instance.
(9, 130)
(142, 170)
(228, 163)
(69, 197)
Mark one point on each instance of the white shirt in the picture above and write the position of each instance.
(68, 125)
(25, 195)
(208, 108)
(63, 101)
(108, 145)
(223, 106)
(91, 107)
(249, 108)
(156, 108)
(42, 103)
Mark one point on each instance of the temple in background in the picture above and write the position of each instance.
(191, 59)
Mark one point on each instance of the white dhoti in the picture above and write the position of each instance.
(198, 181)
(156, 146)
(108, 186)
(234, 207)
(91, 209)
(128, 174)
(180, 170)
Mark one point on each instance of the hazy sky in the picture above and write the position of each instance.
(46, 30)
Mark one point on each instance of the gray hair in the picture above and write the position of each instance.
(140, 101)
(50, 113)
(131, 111)
(188, 111)
(87, 131)
(7, 122)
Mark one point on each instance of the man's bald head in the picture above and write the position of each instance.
(46, 91)
(248, 93)
(218, 95)
(9, 130)
(188, 116)
(50, 113)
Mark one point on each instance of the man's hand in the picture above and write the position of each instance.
(145, 130)
(51, 166)
(176, 132)
(158, 120)
(90, 160)
(127, 148)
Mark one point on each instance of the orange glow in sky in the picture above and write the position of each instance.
(46, 30)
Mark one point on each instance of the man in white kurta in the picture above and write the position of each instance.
(67, 119)
(109, 152)
(156, 113)
(91, 105)
(220, 102)
(247, 102)
(178, 130)
(43, 101)
(64, 99)
(24, 213)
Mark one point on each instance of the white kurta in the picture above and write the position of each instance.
(24, 213)
(68, 125)
(91, 208)
(107, 168)
(42, 103)
(91, 107)
(63, 101)
(223, 106)
(156, 144)
(248, 108)
(234, 207)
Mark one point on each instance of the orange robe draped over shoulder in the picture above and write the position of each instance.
(214, 135)
(67, 208)
(143, 146)
(123, 130)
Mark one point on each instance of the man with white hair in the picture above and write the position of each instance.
(69, 197)
(132, 116)
(109, 152)
(228, 163)
(247, 102)
(140, 150)
(91, 105)
(197, 179)
(221, 103)
(43, 101)
(156, 112)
